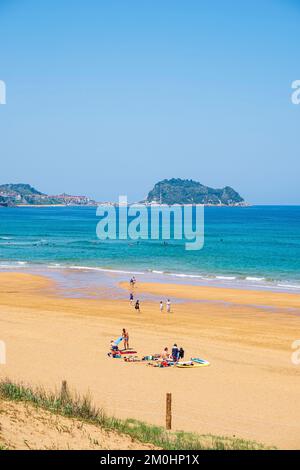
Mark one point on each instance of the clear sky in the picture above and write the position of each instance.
(107, 97)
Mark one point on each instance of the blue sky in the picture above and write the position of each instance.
(106, 97)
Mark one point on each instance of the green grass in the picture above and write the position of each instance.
(75, 406)
(3, 447)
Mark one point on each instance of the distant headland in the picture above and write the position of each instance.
(167, 191)
(12, 195)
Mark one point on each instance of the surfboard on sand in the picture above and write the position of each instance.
(118, 341)
(202, 362)
(187, 365)
(193, 363)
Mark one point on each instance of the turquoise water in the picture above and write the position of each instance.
(257, 245)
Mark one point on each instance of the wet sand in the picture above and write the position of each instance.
(250, 390)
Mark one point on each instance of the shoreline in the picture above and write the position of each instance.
(100, 274)
(259, 299)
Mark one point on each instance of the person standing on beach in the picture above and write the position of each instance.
(161, 306)
(131, 298)
(125, 335)
(137, 306)
(168, 306)
(175, 353)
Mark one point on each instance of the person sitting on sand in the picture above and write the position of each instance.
(113, 346)
(114, 349)
(165, 354)
(125, 338)
(137, 306)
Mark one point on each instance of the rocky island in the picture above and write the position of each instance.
(184, 191)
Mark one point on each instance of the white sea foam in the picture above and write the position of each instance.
(108, 270)
(289, 286)
(191, 276)
(14, 265)
(226, 278)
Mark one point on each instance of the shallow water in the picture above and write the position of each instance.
(249, 247)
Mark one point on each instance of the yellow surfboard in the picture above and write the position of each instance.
(192, 364)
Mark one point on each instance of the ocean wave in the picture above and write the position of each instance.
(109, 270)
(7, 242)
(12, 265)
(289, 286)
(190, 276)
(182, 275)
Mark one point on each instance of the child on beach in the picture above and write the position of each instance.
(161, 306)
(113, 346)
(125, 335)
(168, 306)
(114, 350)
(181, 353)
(137, 306)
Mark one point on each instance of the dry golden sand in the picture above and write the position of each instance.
(25, 427)
(251, 390)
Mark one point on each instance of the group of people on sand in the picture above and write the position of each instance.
(175, 355)
(125, 338)
(168, 306)
(137, 304)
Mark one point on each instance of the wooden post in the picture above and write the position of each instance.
(64, 390)
(169, 411)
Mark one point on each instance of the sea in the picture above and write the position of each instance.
(255, 247)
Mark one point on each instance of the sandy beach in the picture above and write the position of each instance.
(250, 390)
